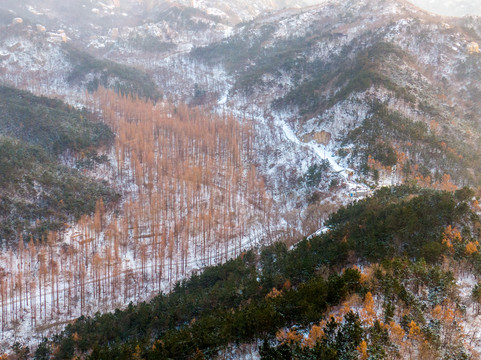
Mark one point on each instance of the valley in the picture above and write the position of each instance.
(188, 135)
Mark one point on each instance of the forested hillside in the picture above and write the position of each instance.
(38, 194)
(372, 286)
(182, 149)
(391, 98)
(92, 73)
(190, 198)
(46, 62)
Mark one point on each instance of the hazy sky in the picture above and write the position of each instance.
(451, 7)
(442, 7)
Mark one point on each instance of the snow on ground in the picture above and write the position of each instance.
(280, 154)
(472, 319)
(53, 303)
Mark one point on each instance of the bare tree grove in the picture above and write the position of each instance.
(191, 197)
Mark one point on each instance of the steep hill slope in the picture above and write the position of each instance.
(47, 61)
(38, 194)
(401, 304)
(331, 100)
(393, 87)
(245, 10)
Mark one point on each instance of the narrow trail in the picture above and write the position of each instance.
(323, 153)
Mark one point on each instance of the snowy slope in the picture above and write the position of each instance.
(251, 69)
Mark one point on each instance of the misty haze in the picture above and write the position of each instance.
(253, 179)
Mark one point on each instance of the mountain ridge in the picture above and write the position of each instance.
(423, 64)
(332, 102)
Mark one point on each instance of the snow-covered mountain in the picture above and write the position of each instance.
(244, 10)
(382, 89)
(357, 71)
(387, 90)
(343, 96)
